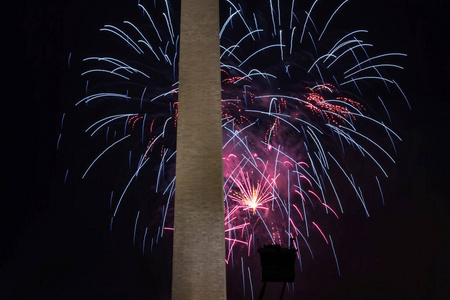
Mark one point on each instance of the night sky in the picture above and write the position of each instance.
(56, 242)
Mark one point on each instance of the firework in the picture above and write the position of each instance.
(298, 109)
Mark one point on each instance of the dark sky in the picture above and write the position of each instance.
(56, 244)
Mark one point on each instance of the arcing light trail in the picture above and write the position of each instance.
(290, 129)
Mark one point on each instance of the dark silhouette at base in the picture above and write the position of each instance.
(277, 266)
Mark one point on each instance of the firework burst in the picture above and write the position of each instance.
(298, 104)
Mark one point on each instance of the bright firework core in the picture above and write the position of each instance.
(247, 194)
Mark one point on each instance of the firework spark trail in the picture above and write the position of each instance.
(289, 128)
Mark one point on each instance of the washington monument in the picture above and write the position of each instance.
(199, 242)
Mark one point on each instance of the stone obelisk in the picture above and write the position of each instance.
(199, 242)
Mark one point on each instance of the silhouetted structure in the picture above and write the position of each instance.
(277, 266)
